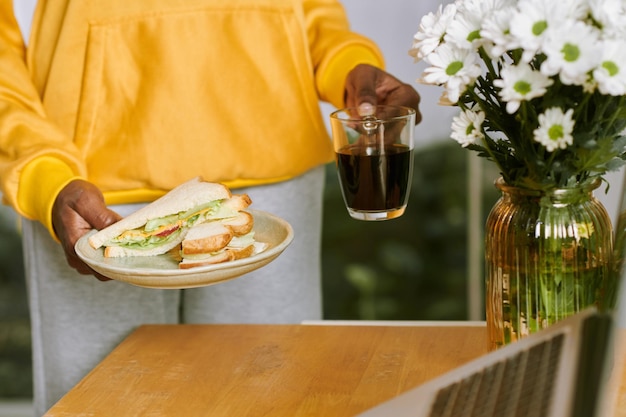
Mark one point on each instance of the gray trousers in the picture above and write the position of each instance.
(77, 320)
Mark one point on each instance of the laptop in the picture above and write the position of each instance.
(567, 370)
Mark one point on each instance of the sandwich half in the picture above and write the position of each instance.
(162, 225)
(219, 241)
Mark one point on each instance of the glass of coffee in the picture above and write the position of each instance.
(374, 155)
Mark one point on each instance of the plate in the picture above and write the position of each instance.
(162, 271)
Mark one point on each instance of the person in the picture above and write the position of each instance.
(112, 103)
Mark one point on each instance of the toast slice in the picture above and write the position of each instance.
(241, 224)
(219, 241)
(225, 255)
(206, 238)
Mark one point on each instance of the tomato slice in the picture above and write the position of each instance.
(168, 231)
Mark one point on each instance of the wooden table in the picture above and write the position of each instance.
(268, 370)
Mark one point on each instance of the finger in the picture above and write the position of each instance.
(92, 208)
(75, 262)
(102, 218)
(394, 92)
(78, 209)
(368, 84)
(100, 277)
(366, 109)
(361, 86)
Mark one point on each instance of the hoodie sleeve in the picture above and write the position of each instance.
(36, 159)
(335, 49)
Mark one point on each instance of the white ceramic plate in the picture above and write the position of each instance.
(163, 272)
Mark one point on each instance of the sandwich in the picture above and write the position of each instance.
(163, 224)
(219, 241)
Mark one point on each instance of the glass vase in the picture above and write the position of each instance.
(547, 256)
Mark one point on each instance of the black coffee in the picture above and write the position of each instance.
(376, 181)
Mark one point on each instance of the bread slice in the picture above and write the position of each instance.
(240, 253)
(206, 238)
(217, 258)
(238, 202)
(225, 255)
(120, 251)
(182, 198)
(219, 241)
(241, 224)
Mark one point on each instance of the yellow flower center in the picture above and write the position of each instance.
(610, 67)
(522, 87)
(539, 27)
(570, 52)
(555, 132)
(473, 35)
(454, 67)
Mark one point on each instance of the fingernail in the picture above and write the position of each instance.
(366, 109)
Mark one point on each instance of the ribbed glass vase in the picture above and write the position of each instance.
(547, 256)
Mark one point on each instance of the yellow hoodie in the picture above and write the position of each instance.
(140, 96)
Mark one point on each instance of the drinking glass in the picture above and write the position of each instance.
(374, 157)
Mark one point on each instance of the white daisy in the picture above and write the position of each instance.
(445, 101)
(572, 51)
(616, 31)
(496, 34)
(467, 127)
(520, 83)
(453, 67)
(574, 9)
(530, 22)
(464, 30)
(432, 29)
(610, 15)
(555, 129)
(610, 75)
(607, 13)
(484, 7)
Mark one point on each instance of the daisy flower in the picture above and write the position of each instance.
(496, 35)
(574, 9)
(555, 129)
(607, 13)
(453, 67)
(483, 8)
(610, 75)
(464, 31)
(467, 127)
(445, 101)
(530, 22)
(432, 29)
(572, 51)
(610, 16)
(520, 83)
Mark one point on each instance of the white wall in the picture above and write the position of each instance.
(24, 13)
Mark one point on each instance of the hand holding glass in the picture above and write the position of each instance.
(374, 156)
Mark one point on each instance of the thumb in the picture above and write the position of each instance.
(88, 202)
(102, 218)
(360, 88)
